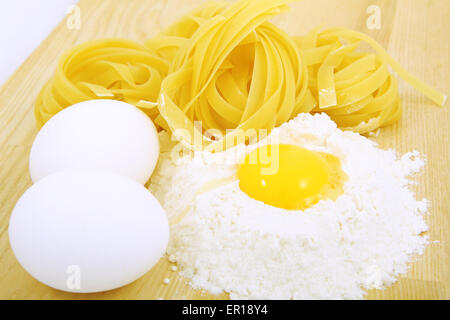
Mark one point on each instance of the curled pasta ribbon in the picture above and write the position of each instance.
(355, 88)
(237, 71)
(104, 69)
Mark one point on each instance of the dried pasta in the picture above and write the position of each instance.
(103, 69)
(232, 70)
(237, 71)
(355, 88)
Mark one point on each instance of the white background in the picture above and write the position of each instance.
(23, 25)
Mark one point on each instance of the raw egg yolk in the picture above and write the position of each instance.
(290, 177)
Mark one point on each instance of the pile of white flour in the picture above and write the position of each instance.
(229, 242)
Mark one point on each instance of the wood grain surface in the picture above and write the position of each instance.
(415, 32)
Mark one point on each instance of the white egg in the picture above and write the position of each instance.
(105, 135)
(88, 231)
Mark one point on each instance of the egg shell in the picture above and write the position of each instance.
(103, 134)
(88, 231)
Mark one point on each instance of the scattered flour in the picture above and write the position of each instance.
(229, 242)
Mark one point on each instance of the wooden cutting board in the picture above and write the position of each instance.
(415, 32)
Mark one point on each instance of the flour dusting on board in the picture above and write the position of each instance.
(226, 241)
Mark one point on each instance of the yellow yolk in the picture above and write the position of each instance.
(290, 177)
